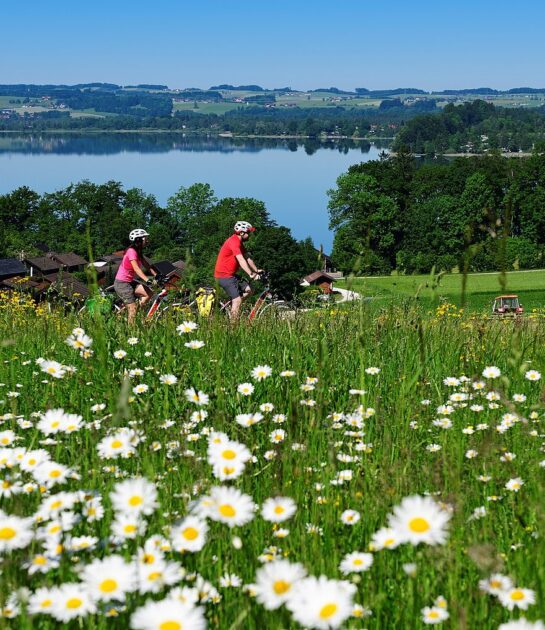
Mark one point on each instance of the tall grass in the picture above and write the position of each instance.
(414, 352)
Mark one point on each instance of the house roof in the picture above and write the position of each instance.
(68, 260)
(318, 275)
(180, 264)
(22, 284)
(43, 263)
(67, 285)
(11, 267)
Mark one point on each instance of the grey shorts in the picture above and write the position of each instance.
(125, 290)
(234, 286)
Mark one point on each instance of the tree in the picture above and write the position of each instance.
(372, 216)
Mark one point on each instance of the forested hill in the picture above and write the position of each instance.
(473, 128)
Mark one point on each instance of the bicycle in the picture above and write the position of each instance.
(108, 301)
(267, 303)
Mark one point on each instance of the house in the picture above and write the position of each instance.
(11, 268)
(319, 279)
(69, 262)
(326, 264)
(42, 265)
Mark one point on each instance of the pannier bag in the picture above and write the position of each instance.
(205, 297)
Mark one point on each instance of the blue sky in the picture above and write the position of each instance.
(348, 43)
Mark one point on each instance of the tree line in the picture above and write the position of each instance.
(482, 213)
(90, 218)
(473, 127)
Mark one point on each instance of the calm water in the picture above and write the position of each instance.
(290, 177)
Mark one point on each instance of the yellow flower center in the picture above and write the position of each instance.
(5, 440)
(419, 525)
(6, 485)
(229, 454)
(279, 509)
(328, 611)
(117, 444)
(55, 473)
(54, 529)
(517, 595)
(358, 562)
(56, 505)
(55, 424)
(227, 510)
(129, 529)
(495, 583)
(154, 576)
(280, 587)
(39, 560)
(46, 603)
(74, 602)
(136, 500)
(170, 625)
(7, 533)
(108, 586)
(31, 462)
(190, 533)
(433, 614)
(389, 542)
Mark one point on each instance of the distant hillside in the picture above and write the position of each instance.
(474, 127)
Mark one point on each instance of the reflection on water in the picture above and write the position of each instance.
(290, 176)
(111, 143)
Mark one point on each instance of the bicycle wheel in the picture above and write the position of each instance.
(276, 310)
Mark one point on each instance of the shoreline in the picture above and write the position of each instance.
(186, 133)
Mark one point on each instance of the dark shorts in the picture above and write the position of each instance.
(234, 286)
(125, 290)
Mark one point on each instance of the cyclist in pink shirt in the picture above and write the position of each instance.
(132, 266)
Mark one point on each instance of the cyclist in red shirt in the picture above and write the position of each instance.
(232, 257)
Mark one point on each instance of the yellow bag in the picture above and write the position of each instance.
(205, 297)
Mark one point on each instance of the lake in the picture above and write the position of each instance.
(290, 176)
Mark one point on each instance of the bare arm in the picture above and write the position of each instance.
(138, 271)
(244, 265)
(252, 266)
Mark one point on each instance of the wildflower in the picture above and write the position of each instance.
(186, 327)
(168, 379)
(433, 448)
(189, 535)
(199, 398)
(230, 506)
(419, 520)
(194, 344)
(71, 601)
(266, 407)
(320, 602)
(246, 389)
(53, 368)
(51, 473)
(261, 372)
(15, 532)
(278, 509)
(287, 373)
(522, 624)
(350, 517)
(434, 614)
(471, 454)
(519, 398)
(119, 444)
(495, 584)
(491, 372)
(134, 496)
(120, 354)
(385, 538)
(109, 579)
(142, 388)
(79, 342)
(451, 381)
(275, 580)
(128, 525)
(517, 598)
(132, 341)
(356, 562)
(168, 614)
(372, 370)
(277, 436)
(42, 600)
(410, 569)
(279, 418)
(532, 375)
(514, 484)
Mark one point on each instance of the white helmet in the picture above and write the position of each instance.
(138, 233)
(243, 227)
